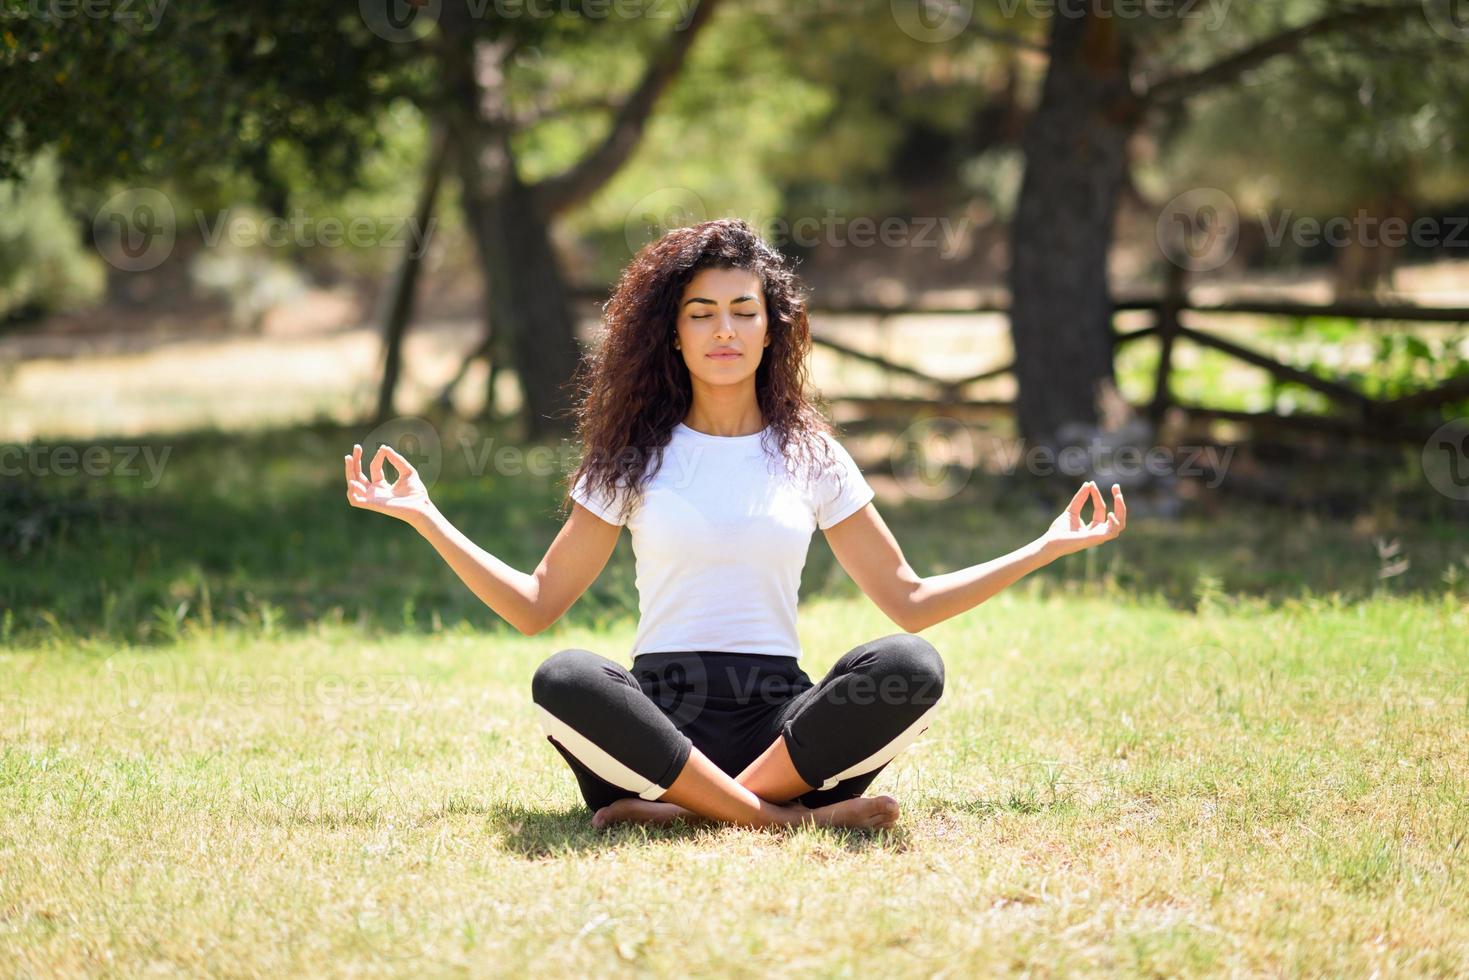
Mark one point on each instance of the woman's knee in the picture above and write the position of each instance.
(910, 668)
(564, 677)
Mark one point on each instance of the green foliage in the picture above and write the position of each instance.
(44, 266)
(190, 91)
(715, 148)
(295, 112)
(1381, 364)
(1405, 363)
(1362, 112)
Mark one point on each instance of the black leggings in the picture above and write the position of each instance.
(628, 733)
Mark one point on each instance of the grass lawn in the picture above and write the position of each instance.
(246, 730)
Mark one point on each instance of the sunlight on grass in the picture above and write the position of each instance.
(247, 730)
(1124, 789)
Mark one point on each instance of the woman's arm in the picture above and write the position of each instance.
(530, 603)
(871, 556)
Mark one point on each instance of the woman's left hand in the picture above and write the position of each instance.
(1071, 532)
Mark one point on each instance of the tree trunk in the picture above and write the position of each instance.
(399, 311)
(527, 296)
(1075, 166)
(1364, 265)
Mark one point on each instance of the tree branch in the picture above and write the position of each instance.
(1181, 86)
(548, 111)
(582, 179)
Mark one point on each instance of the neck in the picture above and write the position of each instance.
(725, 417)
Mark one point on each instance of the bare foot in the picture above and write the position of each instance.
(866, 812)
(633, 810)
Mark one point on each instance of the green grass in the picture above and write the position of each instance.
(1110, 788)
(229, 743)
(254, 530)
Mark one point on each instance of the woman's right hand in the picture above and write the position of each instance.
(405, 499)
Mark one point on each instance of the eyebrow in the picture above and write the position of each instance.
(699, 299)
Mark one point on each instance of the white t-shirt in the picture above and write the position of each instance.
(720, 538)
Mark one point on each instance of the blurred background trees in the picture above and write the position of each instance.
(1042, 140)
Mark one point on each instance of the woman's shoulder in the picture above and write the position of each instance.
(840, 458)
(819, 456)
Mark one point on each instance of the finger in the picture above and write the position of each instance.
(1074, 508)
(1119, 505)
(353, 465)
(377, 464)
(1099, 509)
(402, 465)
(1114, 526)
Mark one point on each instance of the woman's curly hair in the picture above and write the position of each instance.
(634, 388)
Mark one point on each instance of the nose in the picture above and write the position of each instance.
(725, 326)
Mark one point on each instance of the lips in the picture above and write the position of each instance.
(724, 354)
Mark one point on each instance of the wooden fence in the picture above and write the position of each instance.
(1392, 420)
(1396, 420)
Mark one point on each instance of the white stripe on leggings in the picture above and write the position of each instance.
(595, 758)
(888, 752)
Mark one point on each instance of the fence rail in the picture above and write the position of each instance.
(1390, 420)
(1378, 418)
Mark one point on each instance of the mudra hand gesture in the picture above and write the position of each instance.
(406, 498)
(1071, 532)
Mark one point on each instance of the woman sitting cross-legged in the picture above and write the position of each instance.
(698, 436)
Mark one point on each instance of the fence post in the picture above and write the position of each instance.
(1175, 296)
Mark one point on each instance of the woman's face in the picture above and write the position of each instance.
(722, 311)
